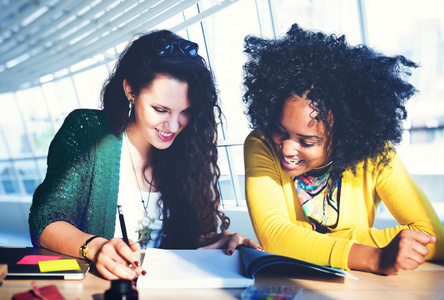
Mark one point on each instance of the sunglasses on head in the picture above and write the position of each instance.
(164, 47)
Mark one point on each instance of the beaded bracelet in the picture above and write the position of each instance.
(84, 248)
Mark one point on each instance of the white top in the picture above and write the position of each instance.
(139, 228)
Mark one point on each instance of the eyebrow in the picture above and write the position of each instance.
(164, 107)
(167, 108)
(301, 135)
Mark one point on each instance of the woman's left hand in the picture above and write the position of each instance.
(230, 241)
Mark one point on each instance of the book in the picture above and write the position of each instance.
(212, 268)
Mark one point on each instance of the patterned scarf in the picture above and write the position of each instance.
(319, 199)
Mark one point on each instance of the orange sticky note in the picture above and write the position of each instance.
(58, 265)
(34, 259)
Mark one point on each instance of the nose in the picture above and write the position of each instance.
(289, 148)
(172, 123)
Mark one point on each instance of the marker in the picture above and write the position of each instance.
(122, 225)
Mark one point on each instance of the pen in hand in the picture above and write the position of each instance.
(125, 239)
(122, 225)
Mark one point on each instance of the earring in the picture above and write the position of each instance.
(130, 111)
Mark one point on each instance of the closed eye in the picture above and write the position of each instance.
(160, 110)
(281, 133)
(279, 130)
(307, 144)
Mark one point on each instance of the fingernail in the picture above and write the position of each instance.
(143, 273)
(230, 252)
(137, 264)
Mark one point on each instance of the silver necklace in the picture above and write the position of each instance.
(137, 180)
(145, 232)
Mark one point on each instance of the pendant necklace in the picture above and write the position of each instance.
(145, 232)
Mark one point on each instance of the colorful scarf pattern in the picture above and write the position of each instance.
(319, 199)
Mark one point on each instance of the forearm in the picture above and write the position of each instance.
(65, 238)
(364, 258)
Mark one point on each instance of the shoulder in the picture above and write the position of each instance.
(385, 163)
(259, 149)
(86, 121)
(255, 138)
(81, 128)
(87, 117)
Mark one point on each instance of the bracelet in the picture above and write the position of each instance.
(84, 248)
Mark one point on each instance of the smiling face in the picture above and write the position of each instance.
(301, 141)
(161, 112)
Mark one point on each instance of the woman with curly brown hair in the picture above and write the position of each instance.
(321, 158)
(151, 150)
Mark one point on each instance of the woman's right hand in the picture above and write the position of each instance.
(405, 252)
(114, 259)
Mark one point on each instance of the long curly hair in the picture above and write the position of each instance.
(363, 90)
(186, 173)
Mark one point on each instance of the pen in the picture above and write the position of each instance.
(122, 225)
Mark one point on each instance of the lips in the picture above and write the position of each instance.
(165, 136)
(291, 163)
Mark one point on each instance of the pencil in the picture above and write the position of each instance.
(122, 225)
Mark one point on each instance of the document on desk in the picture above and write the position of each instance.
(214, 269)
(210, 268)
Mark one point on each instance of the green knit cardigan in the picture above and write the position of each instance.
(82, 180)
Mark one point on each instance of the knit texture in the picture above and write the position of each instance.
(82, 179)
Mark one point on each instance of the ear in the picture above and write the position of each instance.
(128, 90)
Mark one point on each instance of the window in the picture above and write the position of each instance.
(30, 117)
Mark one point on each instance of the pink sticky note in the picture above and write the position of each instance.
(34, 259)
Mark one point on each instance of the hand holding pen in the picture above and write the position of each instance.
(117, 259)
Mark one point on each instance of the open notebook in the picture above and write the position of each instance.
(18, 268)
(214, 269)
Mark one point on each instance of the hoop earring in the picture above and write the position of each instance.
(321, 167)
(130, 108)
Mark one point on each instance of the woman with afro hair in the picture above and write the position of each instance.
(321, 157)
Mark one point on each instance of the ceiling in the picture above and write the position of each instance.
(41, 37)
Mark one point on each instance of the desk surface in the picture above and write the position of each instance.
(427, 282)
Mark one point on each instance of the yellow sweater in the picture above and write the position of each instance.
(281, 227)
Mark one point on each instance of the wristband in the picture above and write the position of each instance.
(84, 248)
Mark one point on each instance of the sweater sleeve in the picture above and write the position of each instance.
(64, 193)
(409, 206)
(276, 215)
(403, 198)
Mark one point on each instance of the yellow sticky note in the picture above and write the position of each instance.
(58, 265)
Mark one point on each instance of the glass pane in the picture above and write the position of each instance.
(3, 150)
(12, 126)
(237, 162)
(8, 180)
(338, 16)
(225, 45)
(61, 98)
(88, 85)
(35, 114)
(232, 177)
(4, 153)
(225, 184)
(41, 165)
(28, 174)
